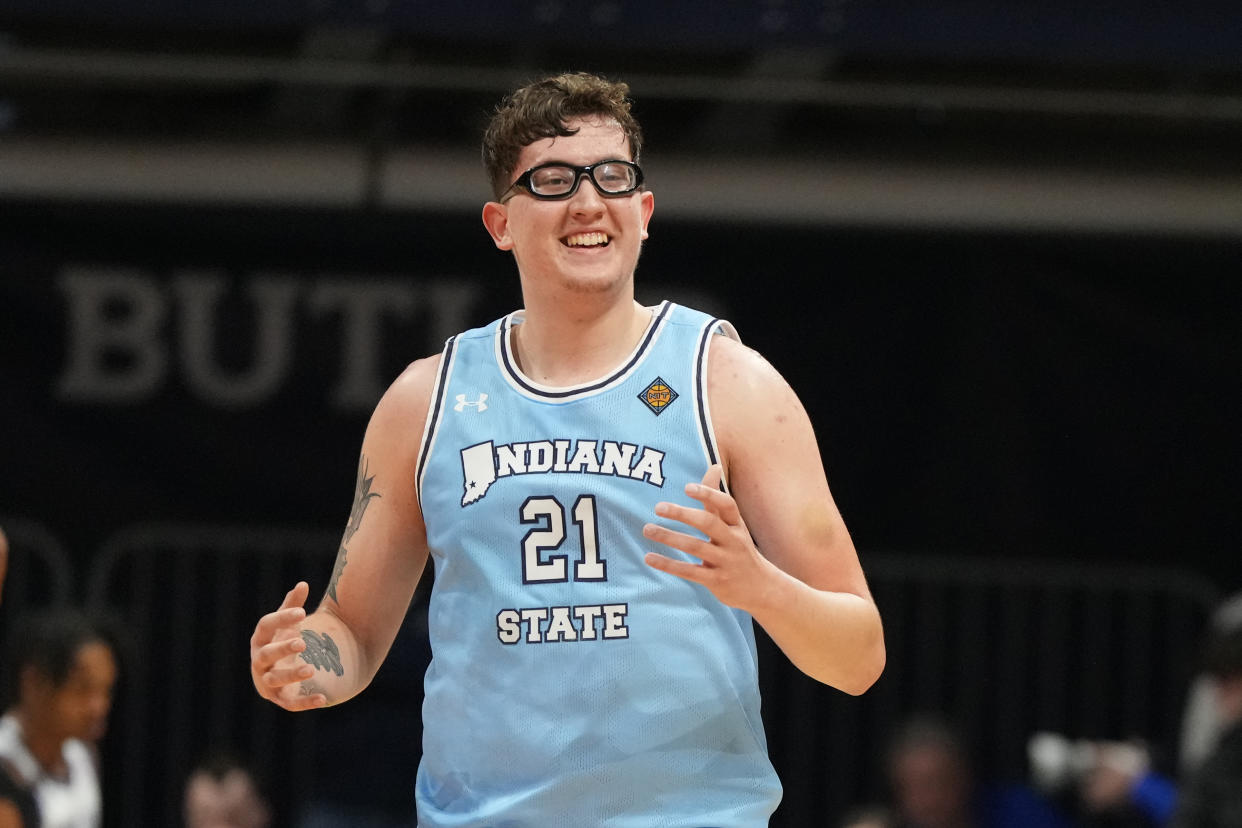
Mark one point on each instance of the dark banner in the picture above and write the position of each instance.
(1199, 33)
(1062, 397)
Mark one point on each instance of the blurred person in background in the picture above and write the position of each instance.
(59, 675)
(1122, 790)
(1115, 784)
(1201, 723)
(1108, 784)
(935, 784)
(224, 792)
(868, 816)
(1211, 796)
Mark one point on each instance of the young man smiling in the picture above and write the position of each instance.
(610, 493)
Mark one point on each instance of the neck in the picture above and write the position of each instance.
(573, 342)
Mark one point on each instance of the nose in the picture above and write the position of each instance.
(586, 199)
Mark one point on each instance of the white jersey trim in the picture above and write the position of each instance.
(530, 389)
(707, 431)
(435, 411)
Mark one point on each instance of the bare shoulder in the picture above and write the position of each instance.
(410, 393)
(399, 417)
(744, 389)
(739, 367)
(756, 416)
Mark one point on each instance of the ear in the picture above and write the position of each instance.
(496, 220)
(647, 207)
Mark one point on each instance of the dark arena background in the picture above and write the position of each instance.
(995, 247)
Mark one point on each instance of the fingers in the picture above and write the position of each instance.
(275, 638)
(284, 680)
(278, 677)
(713, 499)
(287, 681)
(296, 597)
(300, 695)
(689, 544)
(290, 613)
(304, 700)
(709, 523)
(269, 655)
(715, 520)
(682, 569)
(713, 476)
(272, 623)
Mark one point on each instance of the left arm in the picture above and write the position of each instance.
(777, 546)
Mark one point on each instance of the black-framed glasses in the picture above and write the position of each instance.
(558, 180)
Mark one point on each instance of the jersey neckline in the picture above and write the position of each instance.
(536, 390)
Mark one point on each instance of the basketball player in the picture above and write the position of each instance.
(610, 494)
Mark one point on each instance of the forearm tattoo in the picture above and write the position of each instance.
(321, 652)
(362, 497)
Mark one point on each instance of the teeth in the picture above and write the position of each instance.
(587, 239)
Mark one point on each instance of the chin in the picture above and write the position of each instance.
(593, 282)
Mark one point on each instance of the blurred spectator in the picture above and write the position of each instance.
(59, 675)
(869, 816)
(1110, 783)
(1201, 724)
(1121, 790)
(935, 785)
(1212, 795)
(223, 792)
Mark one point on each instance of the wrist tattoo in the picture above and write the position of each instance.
(321, 652)
(310, 687)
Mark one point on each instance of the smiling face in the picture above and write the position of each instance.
(587, 243)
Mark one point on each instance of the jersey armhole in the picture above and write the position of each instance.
(707, 432)
(435, 410)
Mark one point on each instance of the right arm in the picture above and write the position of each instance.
(301, 661)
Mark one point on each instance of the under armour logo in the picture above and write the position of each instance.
(478, 405)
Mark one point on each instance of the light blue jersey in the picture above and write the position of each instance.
(570, 683)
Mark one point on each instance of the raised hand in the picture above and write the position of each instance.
(730, 565)
(279, 674)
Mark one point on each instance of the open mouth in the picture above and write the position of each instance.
(586, 240)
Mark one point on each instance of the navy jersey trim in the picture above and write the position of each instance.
(434, 412)
(713, 326)
(700, 381)
(516, 377)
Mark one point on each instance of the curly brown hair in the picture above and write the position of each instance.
(542, 108)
